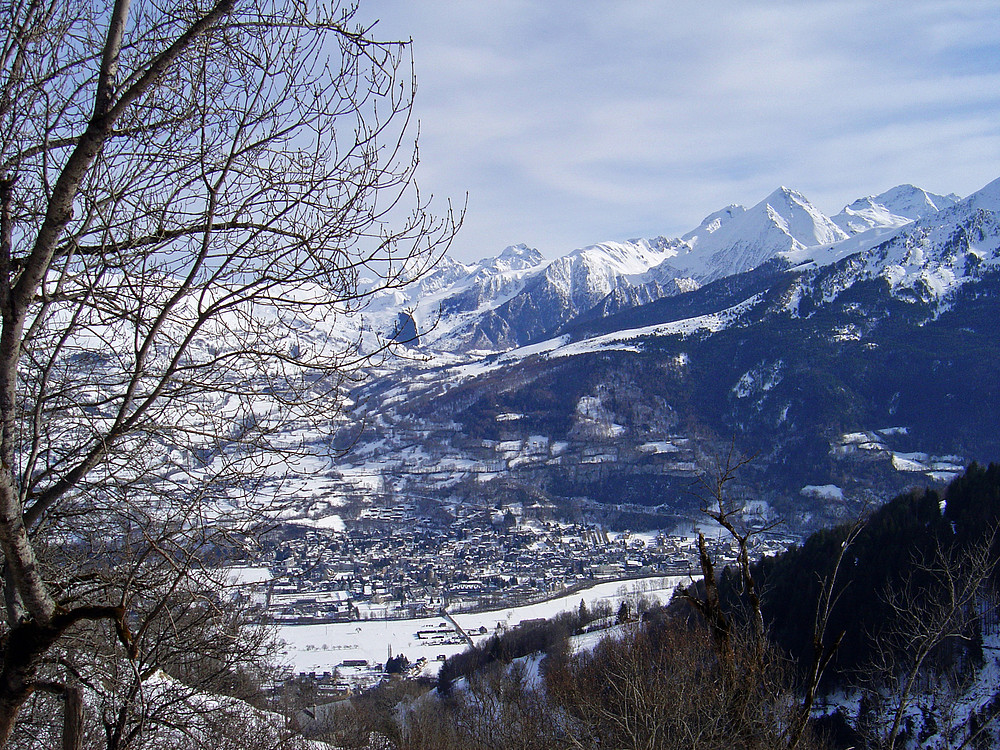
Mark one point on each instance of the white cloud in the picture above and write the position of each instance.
(574, 121)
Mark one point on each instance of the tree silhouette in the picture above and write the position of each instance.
(192, 196)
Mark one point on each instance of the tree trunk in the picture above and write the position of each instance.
(73, 719)
(22, 651)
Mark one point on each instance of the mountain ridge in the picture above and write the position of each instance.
(867, 364)
(517, 297)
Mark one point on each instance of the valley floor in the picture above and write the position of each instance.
(358, 650)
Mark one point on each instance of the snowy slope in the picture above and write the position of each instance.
(893, 208)
(929, 258)
(517, 297)
(305, 646)
(783, 221)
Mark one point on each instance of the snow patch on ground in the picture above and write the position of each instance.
(334, 522)
(322, 648)
(823, 492)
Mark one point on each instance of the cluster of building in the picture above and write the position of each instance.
(397, 562)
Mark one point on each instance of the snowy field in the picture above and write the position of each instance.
(322, 648)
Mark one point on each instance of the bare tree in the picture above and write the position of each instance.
(824, 648)
(730, 513)
(666, 686)
(727, 630)
(191, 196)
(188, 645)
(934, 607)
(499, 710)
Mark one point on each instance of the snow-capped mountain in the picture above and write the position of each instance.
(893, 208)
(450, 295)
(929, 258)
(518, 297)
(783, 221)
(505, 301)
(862, 359)
(565, 288)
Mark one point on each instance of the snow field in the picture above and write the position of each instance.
(322, 648)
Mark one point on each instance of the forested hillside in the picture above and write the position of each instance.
(900, 545)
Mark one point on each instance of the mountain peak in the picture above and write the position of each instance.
(793, 215)
(736, 239)
(913, 202)
(519, 250)
(893, 208)
(791, 200)
(784, 192)
(513, 258)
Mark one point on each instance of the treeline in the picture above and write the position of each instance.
(530, 637)
(657, 683)
(898, 546)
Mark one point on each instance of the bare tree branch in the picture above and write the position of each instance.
(193, 197)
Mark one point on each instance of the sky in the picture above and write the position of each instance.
(571, 122)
